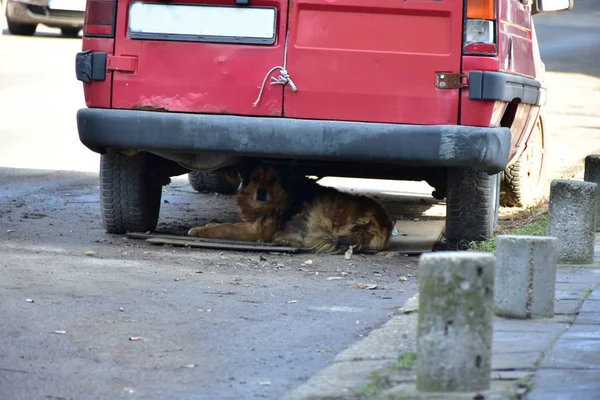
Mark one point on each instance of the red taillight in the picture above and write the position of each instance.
(480, 28)
(100, 18)
(489, 49)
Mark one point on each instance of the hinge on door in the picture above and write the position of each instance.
(121, 63)
(444, 80)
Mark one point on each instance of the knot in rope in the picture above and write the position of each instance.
(282, 79)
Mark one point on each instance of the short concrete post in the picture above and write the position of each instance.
(454, 335)
(525, 278)
(592, 174)
(572, 220)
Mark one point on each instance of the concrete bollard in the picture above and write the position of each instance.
(454, 334)
(572, 220)
(525, 277)
(592, 174)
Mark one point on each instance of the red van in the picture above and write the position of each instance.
(447, 91)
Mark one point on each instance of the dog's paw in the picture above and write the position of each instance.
(196, 232)
(202, 231)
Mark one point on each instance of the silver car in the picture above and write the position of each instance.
(23, 16)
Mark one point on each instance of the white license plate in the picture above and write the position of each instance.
(202, 23)
(69, 5)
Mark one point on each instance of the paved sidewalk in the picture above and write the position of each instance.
(540, 359)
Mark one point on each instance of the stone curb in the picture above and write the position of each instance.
(373, 368)
(353, 368)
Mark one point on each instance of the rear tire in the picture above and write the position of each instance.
(130, 193)
(521, 183)
(70, 31)
(471, 206)
(17, 28)
(218, 182)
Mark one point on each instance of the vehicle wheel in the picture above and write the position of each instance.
(471, 206)
(70, 31)
(219, 182)
(17, 28)
(521, 181)
(129, 193)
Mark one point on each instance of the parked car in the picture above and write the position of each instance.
(23, 16)
(450, 92)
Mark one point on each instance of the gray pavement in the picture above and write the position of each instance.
(251, 333)
(549, 359)
(537, 359)
(214, 325)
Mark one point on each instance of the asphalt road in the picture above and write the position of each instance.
(213, 325)
(570, 48)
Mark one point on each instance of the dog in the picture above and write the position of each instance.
(285, 208)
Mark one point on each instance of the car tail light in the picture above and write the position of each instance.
(100, 18)
(480, 28)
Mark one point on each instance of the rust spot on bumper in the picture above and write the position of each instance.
(149, 108)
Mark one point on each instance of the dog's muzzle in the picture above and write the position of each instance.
(261, 195)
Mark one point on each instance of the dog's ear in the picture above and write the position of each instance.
(244, 170)
(234, 177)
(244, 174)
(288, 178)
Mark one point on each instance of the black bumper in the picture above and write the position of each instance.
(502, 86)
(396, 144)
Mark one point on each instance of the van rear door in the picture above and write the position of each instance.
(207, 56)
(374, 60)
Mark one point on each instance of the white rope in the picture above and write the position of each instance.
(282, 79)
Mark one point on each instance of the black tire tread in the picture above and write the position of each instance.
(69, 31)
(516, 190)
(16, 28)
(211, 182)
(468, 206)
(512, 187)
(130, 201)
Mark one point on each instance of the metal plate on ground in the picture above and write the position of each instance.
(416, 237)
(216, 244)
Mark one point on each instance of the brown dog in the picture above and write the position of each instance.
(296, 211)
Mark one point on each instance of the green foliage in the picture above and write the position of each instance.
(407, 360)
(536, 228)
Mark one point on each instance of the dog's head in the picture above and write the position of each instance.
(265, 185)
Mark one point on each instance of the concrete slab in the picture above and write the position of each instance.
(565, 385)
(566, 307)
(499, 390)
(519, 325)
(389, 342)
(582, 332)
(595, 295)
(568, 293)
(511, 375)
(503, 361)
(594, 265)
(588, 318)
(571, 274)
(338, 380)
(574, 354)
(517, 342)
(576, 287)
(590, 306)
(564, 318)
